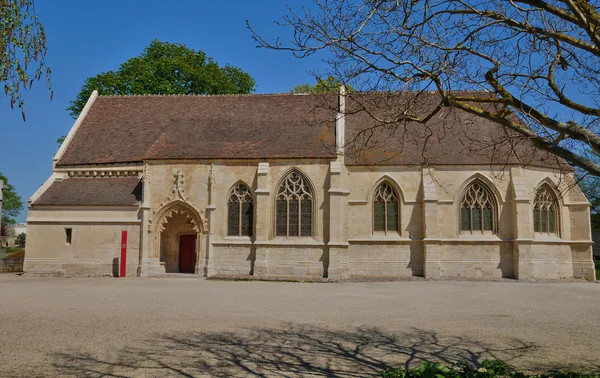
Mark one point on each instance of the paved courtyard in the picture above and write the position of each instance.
(192, 327)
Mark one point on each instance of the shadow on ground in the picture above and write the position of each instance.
(289, 352)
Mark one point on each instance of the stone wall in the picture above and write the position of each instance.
(343, 243)
(236, 259)
(95, 247)
(480, 261)
(399, 260)
(11, 265)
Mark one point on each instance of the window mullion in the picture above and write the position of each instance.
(471, 219)
(239, 218)
(385, 225)
(287, 218)
(299, 215)
(482, 221)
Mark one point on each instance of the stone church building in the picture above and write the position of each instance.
(305, 186)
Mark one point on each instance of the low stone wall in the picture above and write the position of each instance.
(10, 265)
(400, 260)
(108, 267)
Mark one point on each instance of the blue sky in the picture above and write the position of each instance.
(89, 37)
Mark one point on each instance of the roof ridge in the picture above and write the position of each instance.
(278, 94)
(200, 95)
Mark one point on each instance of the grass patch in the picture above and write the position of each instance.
(10, 250)
(15, 253)
(488, 369)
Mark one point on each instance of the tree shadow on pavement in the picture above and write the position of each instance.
(292, 351)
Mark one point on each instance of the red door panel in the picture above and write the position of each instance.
(187, 253)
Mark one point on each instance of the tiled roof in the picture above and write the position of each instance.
(124, 129)
(131, 129)
(121, 191)
(450, 137)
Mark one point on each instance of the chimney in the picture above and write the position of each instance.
(340, 123)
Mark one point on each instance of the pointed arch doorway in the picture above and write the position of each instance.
(179, 239)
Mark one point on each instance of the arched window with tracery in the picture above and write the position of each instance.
(294, 211)
(385, 209)
(545, 214)
(239, 211)
(478, 210)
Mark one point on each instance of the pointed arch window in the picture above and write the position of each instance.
(294, 207)
(385, 209)
(239, 211)
(545, 214)
(477, 210)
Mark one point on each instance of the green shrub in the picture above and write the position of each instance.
(488, 369)
(20, 240)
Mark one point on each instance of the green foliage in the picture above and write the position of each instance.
(22, 42)
(20, 240)
(488, 369)
(11, 203)
(10, 250)
(329, 85)
(61, 140)
(597, 263)
(166, 68)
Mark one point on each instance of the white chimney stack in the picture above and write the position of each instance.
(340, 126)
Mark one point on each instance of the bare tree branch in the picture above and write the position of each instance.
(538, 60)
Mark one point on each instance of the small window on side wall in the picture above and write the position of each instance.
(239, 213)
(385, 209)
(68, 235)
(545, 215)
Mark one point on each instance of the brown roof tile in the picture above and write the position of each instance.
(451, 137)
(113, 191)
(129, 129)
(132, 129)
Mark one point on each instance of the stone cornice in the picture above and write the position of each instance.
(112, 172)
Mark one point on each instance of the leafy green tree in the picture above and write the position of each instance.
(11, 203)
(22, 43)
(329, 85)
(20, 240)
(166, 68)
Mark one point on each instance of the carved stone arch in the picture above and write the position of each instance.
(312, 190)
(392, 182)
(242, 182)
(558, 194)
(498, 197)
(297, 170)
(160, 220)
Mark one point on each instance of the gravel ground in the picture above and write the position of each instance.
(154, 327)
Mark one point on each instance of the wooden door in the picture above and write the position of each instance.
(187, 253)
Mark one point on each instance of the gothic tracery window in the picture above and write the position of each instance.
(385, 209)
(545, 215)
(477, 210)
(239, 211)
(294, 207)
